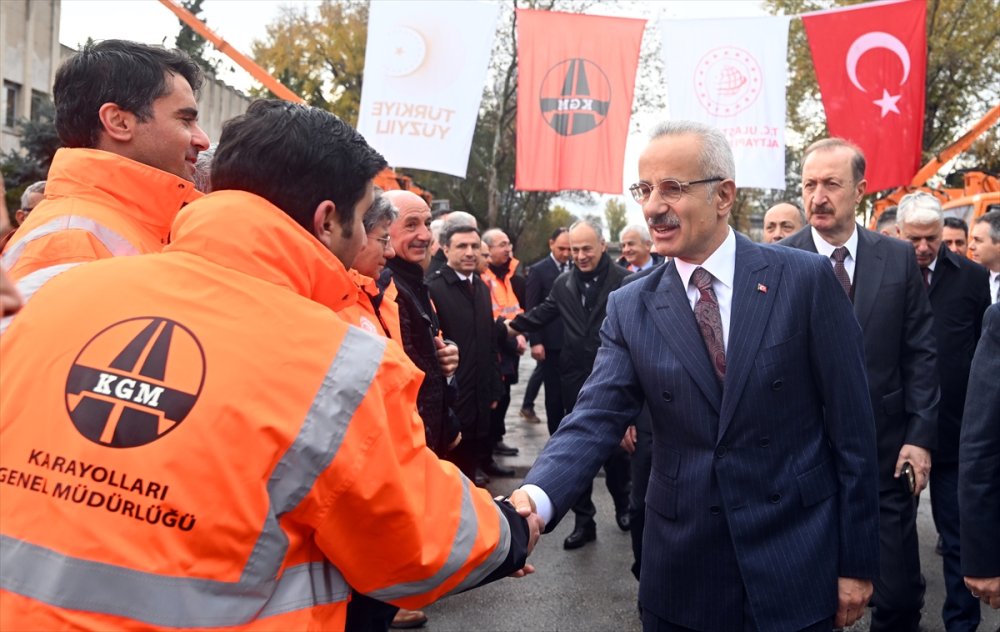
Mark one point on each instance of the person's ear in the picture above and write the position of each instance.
(726, 192)
(118, 124)
(325, 226)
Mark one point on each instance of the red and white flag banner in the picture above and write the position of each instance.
(871, 64)
(576, 77)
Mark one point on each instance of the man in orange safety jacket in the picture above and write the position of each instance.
(195, 439)
(128, 118)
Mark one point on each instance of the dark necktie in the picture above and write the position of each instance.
(839, 254)
(927, 277)
(706, 314)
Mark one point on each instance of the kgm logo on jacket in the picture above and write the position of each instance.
(135, 381)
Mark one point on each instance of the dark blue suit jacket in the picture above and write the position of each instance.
(979, 462)
(764, 491)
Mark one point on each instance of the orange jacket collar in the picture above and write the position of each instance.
(242, 231)
(151, 196)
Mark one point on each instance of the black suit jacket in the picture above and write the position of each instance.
(541, 275)
(959, 296)
(582, 328)
(895, 315)
(979, 465)
(467, 319)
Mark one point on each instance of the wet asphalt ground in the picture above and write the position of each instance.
(592, 588)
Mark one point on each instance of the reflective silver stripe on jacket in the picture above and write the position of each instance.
(117, 245)
(183, 602)
(67, 582)
(458, 557)
(31, 283)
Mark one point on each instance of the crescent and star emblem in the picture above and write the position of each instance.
(867, 42)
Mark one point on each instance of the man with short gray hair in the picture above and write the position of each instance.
(580, 298)
(958, 295)
(748, 526)
(31, 197)
(637, 249)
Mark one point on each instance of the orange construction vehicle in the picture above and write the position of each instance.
(978, 194)
(388, 179)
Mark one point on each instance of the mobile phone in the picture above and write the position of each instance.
(909, 477)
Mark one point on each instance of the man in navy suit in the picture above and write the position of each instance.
(762, 508)
(959, 295)
(979, 472)
(881, 276)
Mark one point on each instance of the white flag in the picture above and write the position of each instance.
(730, 74)
(425, 68)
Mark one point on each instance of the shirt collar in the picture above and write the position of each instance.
(826, 249)
(721, 264)
(463, 277)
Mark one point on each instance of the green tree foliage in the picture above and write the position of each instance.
(534, 243)
(319, 53)
(39, 142)
(963, 55)
(193, 44)
(616, 216)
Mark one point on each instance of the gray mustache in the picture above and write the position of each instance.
(664, 220)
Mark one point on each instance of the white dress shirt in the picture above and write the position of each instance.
(826, 249)
(722, 266)
(994, 285)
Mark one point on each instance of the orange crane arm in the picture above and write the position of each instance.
(952, 150)
(224, 47)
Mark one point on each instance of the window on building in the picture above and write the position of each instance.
(11, 95)
(37, 101)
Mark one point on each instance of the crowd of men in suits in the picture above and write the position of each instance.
(766, 415)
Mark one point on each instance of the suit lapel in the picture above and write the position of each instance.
(754, 287)
(672, 315)
(868, 270)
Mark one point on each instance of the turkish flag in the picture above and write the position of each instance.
(576, 77)
(871, 66)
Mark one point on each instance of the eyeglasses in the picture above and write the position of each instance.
(670, 190)
(384, 241)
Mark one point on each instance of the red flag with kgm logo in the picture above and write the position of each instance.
(576, 76)
(871, 66)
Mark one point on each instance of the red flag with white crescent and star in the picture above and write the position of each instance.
(871, 63)
(576, 77)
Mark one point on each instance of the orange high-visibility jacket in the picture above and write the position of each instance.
(196, 439)
(97, 205)
(361, 312)
(505, 303)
